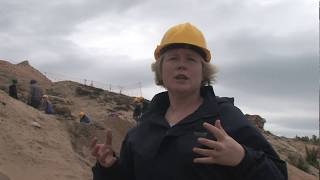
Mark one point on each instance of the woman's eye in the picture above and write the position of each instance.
(191, 60)
(172, 58)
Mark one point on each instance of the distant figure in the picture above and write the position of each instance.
(13, 89)
(35, 94)
(140, 107)
(84, 119)
(48, 108)
(137, 109)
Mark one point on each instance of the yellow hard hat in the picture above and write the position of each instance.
(141, 99)
(81, 114)
(136, 99)
(183, 34)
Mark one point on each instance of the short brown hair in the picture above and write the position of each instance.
(209, 72)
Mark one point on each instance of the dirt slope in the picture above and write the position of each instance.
(29, 152)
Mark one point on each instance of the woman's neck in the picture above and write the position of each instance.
(181, 106)
(180, 102)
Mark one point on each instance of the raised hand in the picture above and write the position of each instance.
(225, 151)
(103, 152)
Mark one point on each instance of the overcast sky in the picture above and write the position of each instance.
(267, 51)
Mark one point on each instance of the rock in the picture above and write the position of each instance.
(257, 120)
(62, 110)
(24, 63)
(36, 124)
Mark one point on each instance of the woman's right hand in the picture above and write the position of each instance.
(104, 152)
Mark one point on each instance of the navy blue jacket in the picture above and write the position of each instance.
(13, 91)
(155, 151)
(85, 119)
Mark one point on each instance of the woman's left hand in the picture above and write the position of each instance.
(225, 151)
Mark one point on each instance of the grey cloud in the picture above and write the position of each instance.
(121, 71)
(290, 127)
(270, 76)
(55, 16)
(268, 65)
(298, 123)
(33, 28)
(127, 71)
(248, 44)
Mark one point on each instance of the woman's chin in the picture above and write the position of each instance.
(181, 89)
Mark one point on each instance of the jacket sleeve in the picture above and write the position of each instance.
(260, 161)
(122, 169)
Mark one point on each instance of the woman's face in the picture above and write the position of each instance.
(182, 70)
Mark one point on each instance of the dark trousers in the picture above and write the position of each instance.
(35, 103)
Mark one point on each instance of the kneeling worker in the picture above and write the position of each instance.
(84, 119)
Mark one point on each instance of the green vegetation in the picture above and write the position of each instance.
(305, 163)
(298, 162)
(311, 156)
(313, 140)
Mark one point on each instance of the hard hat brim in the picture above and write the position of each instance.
(157, 51)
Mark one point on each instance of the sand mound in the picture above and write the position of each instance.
(29, 152)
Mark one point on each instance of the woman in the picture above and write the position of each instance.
(188, 132)
(48, 107)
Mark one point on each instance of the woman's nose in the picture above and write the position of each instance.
(181, 66)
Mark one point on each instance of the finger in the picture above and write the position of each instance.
(108, 157)
(103, 157)
(219, 126)
(112, 160)
(214, 130)
(204, 152)
(109, 137)
(95, 151)
(93, 142)
(210, 143)
(109, 151)
(101, 149)
(204, 160)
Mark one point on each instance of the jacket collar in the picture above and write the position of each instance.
(160, 103)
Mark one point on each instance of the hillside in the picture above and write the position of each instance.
(23, 72)
(29, 152)
(58, 149)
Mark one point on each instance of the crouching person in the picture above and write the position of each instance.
(84, 119)
(48, 108)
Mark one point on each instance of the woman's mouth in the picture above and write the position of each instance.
(181, 77)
